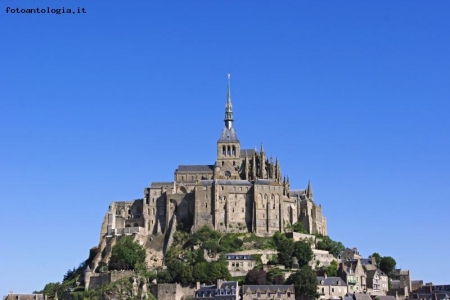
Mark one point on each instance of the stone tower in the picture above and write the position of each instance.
(228, 146)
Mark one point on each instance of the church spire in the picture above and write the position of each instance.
(309, 191)
(229, 108)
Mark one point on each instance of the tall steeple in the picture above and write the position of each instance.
(229, 108)
(309, 191)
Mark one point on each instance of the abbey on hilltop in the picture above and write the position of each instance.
(242, 191)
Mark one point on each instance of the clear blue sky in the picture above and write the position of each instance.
(352, 95)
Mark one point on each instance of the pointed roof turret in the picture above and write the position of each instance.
(228, 133)
(229, 108)
(262, 148)
(309, 191)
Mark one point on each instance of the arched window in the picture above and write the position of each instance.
(224, 151)
(153, 211)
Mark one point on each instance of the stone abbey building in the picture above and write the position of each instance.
(242, 191)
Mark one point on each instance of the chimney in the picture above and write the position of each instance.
(197, 286)
(325, 275)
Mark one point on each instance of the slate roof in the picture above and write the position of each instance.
(206, 182)
(228, 135)
(386, 297)
(195, 168)
(329, 281)
(266, 182)
(154, 185)
(247, 152)
(212, 291)
(361, 297)
(371, 273)
(348, 297)
(233, 182)
(239, 257)
(295, 193)
(268, 288)
(366, 261)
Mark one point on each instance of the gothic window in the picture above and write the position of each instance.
(206, 204)
(228, 150)
(148, 211)
(224, 152)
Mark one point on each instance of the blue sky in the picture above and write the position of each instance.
(350, 95)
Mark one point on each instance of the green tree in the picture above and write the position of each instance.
(298, 227)
(285, 247)
(175, 268)
(387, 265)
(256, 276)
(335, 248)
(303, 253)
(377, 257)
(275, 276)
(305, 283)
(186, 274)
(126, 254)
(200, 272)
(332, 269)
(163, 276)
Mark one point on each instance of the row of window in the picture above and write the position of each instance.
(229, 150)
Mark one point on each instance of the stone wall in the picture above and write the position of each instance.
(99, 279)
